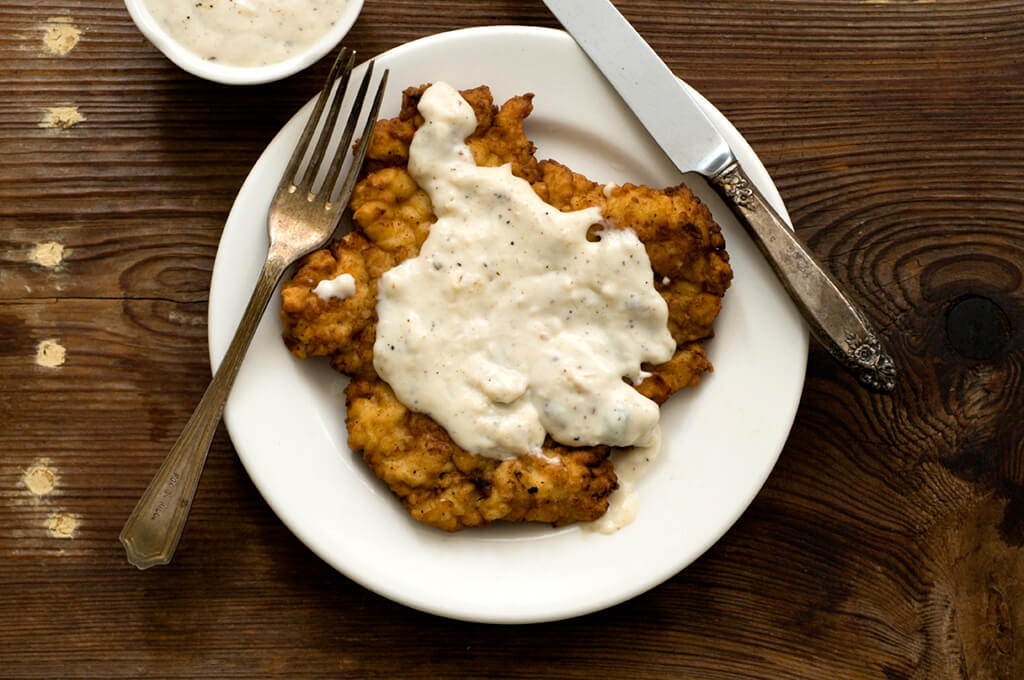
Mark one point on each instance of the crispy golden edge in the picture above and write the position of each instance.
(448, 488)
(439, 483)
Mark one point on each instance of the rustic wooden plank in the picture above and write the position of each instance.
(886, 544)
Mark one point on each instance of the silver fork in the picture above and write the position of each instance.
(302, 218)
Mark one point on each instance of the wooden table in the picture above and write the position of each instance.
(888, 543)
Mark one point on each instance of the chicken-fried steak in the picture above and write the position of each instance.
(439, 483)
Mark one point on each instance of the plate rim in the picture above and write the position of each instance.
(217, 346)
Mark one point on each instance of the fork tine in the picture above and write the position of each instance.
(288, 178)
(364, 144)
(316, 159)
(346, 137)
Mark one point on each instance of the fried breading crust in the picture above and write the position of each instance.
(439, 483)
(445, 487)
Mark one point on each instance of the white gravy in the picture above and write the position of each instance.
(340, 287)
(510, 324)
(631, 465)
(246, 32)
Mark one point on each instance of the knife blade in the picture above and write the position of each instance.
(693, 144)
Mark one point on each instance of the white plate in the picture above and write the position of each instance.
(286, 417)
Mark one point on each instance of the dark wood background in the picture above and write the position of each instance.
(888, 543)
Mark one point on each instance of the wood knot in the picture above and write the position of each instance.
(977, 327)
(50, 353)
(40, 479)
(60, 35)
(62, 525)
(48, 254)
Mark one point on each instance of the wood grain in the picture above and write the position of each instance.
(888, 542)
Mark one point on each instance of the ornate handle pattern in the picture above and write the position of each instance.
(834, 320)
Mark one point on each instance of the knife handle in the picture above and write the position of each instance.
(834, 320)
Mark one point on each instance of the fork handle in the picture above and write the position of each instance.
(834, 320)
(152, 531)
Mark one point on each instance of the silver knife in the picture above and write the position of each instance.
(693, 144)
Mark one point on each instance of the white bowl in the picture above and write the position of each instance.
(239, 75)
